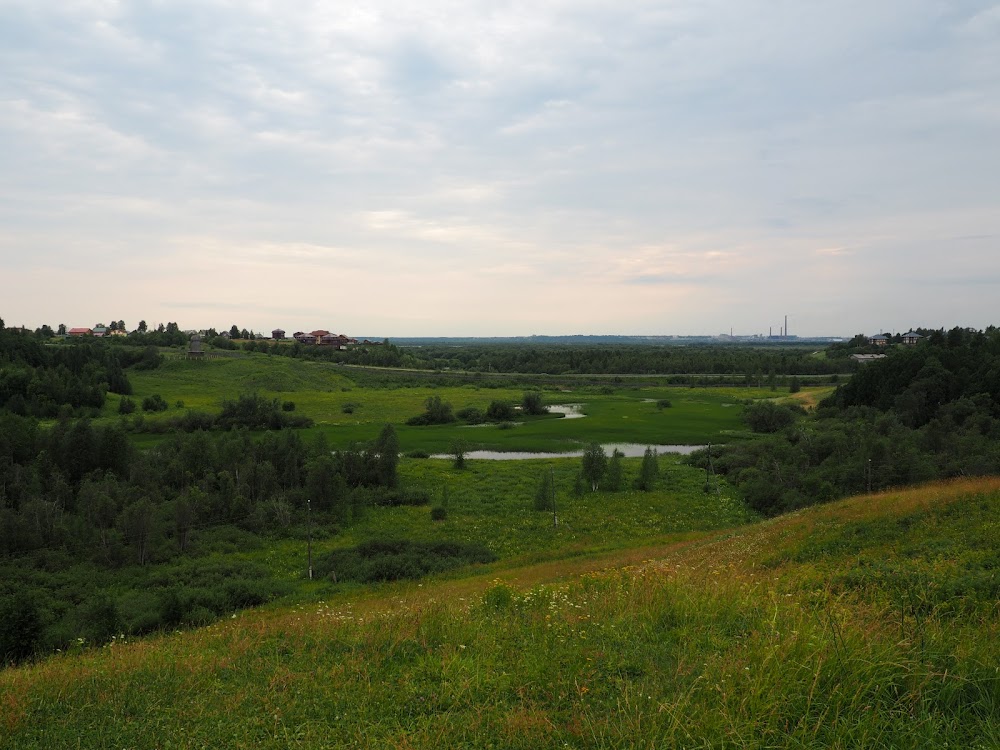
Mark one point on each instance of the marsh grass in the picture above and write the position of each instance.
(349, 412)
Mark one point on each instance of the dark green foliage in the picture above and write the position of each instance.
(767, 416)
(500, 411)
(20, 627)
(614, 478)
(663, 403)
(126, 405)
(545, 494)
(255, 412)
(924, 412)
(437, 412)
(532, 403)
(594, 464)
(439, 513)
(471, 415)
(458, 450)
(288, 406)
(391, 560)
(154, 403)
(649, 471)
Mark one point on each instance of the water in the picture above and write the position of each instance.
(569, 411)
(631, 450)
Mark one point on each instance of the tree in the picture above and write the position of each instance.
(137, 525)
(386, 457)
(458, 450)
(767, 416)
(500, 411)
(595, 463)
(62, 329)
(20, 627)
(615, 476)
(649, 471)
(532, 403)
(234, 332)
(142, 328)
(545, 492)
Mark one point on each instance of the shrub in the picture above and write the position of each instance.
(392, 559)
(663, 403)
(470, 415)
(438, 513)
(156, 402)
(767, 416)
(500, 411)
(126, 405)
(532, 403)
(288, 406)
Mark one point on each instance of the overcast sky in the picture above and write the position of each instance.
(501, 168)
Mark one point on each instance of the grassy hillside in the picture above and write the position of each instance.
(871, 622)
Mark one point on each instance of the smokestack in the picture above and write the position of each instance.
(786, 325)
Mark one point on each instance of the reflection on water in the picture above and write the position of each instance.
(569, 411)
(631, 450)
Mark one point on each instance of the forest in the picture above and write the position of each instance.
(924, 412)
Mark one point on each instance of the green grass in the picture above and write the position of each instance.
(731, 640)
(322, 391)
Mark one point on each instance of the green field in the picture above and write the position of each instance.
(349, 414)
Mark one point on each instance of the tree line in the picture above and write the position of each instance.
(924, 412)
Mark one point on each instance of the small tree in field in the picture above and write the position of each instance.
(545, 492)
(532, 403)
(614, 479)
(649, 471)
(595, 463)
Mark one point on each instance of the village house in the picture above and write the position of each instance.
(911, 338)
(277, 334)
(881, 339)
(80, 332)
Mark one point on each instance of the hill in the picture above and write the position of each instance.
(869, 622)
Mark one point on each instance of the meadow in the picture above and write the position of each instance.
(780, 634)
(347, 413)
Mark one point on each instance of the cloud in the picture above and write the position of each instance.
(454, 156)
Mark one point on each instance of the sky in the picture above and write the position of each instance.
(501, 168)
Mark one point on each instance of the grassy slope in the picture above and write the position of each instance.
(321, 391)
(870, 622)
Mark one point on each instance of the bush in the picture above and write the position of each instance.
(767, 416)
(391, 560)
(437, 412)
(156, 402)
(288, 406)
(126, 405)
(532, 403)
(500, 411)
(438, 513)
(663, 403)
(470, 415)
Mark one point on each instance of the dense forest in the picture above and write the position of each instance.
(743, 364)
(924, 412)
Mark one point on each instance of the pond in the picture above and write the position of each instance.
(631, 450)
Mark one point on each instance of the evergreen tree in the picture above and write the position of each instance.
(615, 476)
(649, 471)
